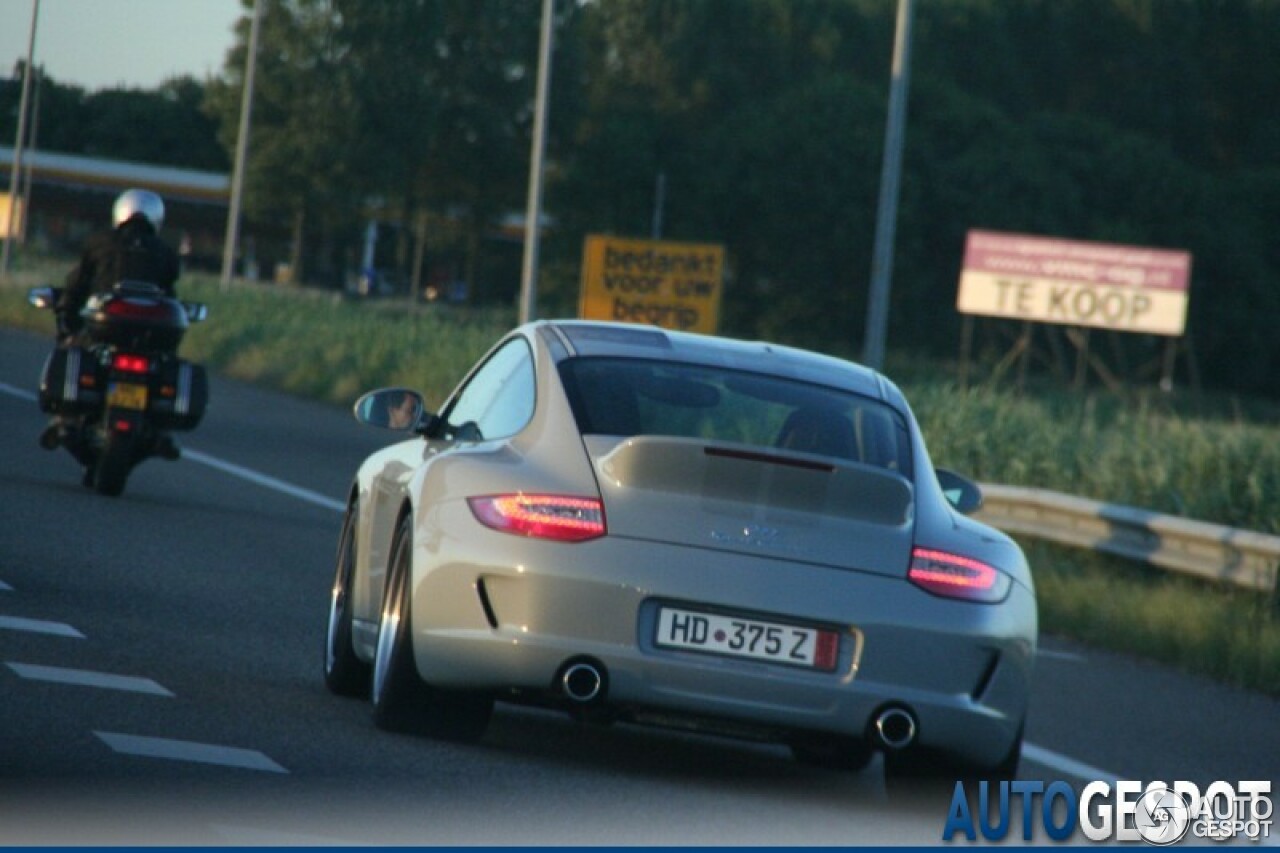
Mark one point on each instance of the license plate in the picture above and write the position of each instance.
(748, 638)
(127, 395)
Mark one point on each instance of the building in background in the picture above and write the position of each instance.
(71, 197)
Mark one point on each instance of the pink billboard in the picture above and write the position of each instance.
(1101, 285)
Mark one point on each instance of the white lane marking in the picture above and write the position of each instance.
(4, 587)
(1053, 655)
(185, 750)
(228, 467)
(18, 392)
(1057, 761)
(86, 678)
(39, 626)
(264, 480)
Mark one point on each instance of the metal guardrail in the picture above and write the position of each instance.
(1225, 554)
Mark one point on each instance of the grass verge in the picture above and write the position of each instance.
(1228, 634)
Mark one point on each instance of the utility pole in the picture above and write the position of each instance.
(887, 211)
(15, 168)
(533, 213)
(32, 147)
(242, 149)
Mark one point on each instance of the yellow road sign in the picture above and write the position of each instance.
(672, 285)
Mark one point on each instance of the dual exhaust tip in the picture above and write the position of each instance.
(584, 682)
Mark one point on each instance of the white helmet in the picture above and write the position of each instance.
(142, 203)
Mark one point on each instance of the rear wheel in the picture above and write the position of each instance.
(113, 464)
(402, 701)
(344, 673)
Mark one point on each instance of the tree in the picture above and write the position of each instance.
(385, 108)
(164, 126)
(303, 164)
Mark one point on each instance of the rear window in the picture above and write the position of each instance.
(626, 397)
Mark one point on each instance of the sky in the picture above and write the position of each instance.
(100, 44)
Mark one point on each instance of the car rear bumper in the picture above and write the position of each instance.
(497, 612)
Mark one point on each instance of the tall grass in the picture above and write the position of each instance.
(326, 347)
(320, 345)
(1229, 634)
(1140, 454)
(1145, 451)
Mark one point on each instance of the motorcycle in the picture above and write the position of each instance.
(120, 387)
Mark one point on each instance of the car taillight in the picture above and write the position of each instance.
(566, 519)
(130, 363)
(954, 576)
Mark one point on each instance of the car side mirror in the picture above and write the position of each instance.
(391, 408)
(961, 492)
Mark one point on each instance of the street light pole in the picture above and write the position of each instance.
(31, 149)
(887, 211)
(15, 168)
(533, 213)
(242, 149)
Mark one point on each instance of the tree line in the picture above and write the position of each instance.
(1127, 121)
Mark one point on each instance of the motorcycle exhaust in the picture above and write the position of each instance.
(895, 728)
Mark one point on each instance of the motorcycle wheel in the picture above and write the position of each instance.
(114, 462)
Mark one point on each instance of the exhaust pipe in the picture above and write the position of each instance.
(895, 728)
(582, 682)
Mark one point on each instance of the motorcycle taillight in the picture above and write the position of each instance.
(129, 363)
(139, 310)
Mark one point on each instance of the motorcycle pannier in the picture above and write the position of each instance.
(70, 382)
(183, 395)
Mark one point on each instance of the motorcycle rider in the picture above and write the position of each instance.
(132, 250)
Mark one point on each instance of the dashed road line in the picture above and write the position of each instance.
(87, 678)
(184, 750)
(4, 587)
(39, 626)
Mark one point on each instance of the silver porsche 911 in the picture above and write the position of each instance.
(679, 530)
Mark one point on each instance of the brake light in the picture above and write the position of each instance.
(136, 310)
(130, 363)
(565, 519)
(954, 576)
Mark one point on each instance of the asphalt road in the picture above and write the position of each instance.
(160, 681)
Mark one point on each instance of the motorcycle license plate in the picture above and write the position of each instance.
(127, 395)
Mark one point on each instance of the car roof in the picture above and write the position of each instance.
(623, 340)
